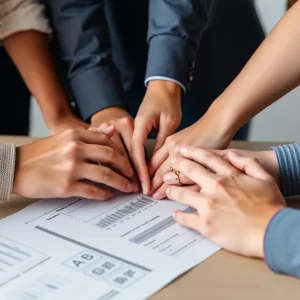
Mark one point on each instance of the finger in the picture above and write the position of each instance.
(95, 137)
(157, 180)
(249, 165)
(164, 131)
(90, 191)
(142, 127)
(189, 220)
(105, 175)
(160, 193)
(210, 160)
(108, 156)
(183, 195)
(172, 179)
(194, 171)
(127, 134)
(157, 160)
(108, 130)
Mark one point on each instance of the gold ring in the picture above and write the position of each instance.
(177, 177)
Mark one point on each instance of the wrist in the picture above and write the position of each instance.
(269, 161)
(110, 112)
(164, 86)
(219, 123)
(228, 114)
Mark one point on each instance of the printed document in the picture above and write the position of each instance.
(79, 249)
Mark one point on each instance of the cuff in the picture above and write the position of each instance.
(166, 79)
(95, 89)
(7, 169)
(288, 157)
(173, 57)
(282, 242)
(25, 18)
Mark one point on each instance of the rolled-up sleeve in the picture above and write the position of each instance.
(22, 15)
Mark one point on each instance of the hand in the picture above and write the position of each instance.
(267, 159)
(160, 112)
(206, 133)
(237, 199)
(124, 125)
(69, 121)
(56, 166)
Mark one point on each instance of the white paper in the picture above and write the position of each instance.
(126, 248)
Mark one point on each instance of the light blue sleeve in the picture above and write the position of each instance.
(288, 157)
(282, 242)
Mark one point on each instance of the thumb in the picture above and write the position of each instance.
(109, 130)
(249, 165)
(163, 133)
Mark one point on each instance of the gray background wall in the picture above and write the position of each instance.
(277, 123)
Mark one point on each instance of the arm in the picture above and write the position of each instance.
(83, 38)
(273, 71)
(30, 52)
(281, 242)
(174, 34)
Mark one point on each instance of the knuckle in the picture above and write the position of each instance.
(126, 121)
(171, 142)
(110, 154)
(211, 203)
(73, 134)
(106, 174)
(220, 182)
(64, 187)
(206, 227)
(73, 148)
(207, 155)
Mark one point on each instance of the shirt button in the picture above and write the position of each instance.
(191, 78)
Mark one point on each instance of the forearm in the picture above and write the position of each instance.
(30, 52)
(272, 72)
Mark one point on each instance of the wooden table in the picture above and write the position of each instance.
(224, 276)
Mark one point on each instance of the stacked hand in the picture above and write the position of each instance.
(60, 165)
(235, 198)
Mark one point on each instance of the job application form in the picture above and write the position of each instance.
(126, 248)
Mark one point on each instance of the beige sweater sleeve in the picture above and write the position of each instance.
(22, 15)
(7, 169)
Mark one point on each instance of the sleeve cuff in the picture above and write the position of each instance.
(7, 169)
(166, 79)
(25, 18)
(97, 88)
(288, 157)
(282, 242)
(173, 57)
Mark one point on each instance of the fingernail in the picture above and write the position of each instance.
(184, 149)
(233, 154)
(145, 191)
(107, 129)
(167, 178)
(168, 191)
(156, 195)
(129, 187)
(131, 172)
(173, 160)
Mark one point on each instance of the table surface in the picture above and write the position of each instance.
(223, 276)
